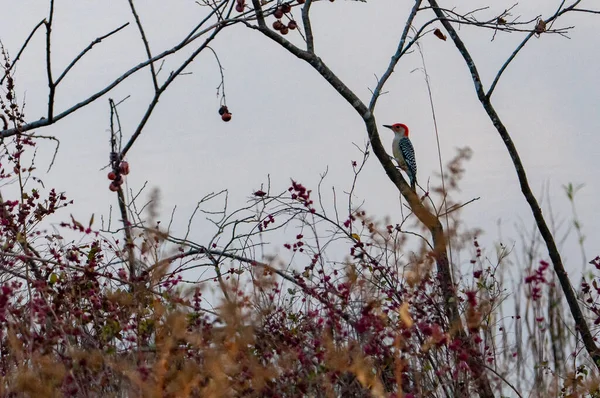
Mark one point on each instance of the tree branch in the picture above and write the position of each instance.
(88, 48)
(396, 57)
(558, 13)
(588, 11)
(553, 252)
(46, 122)
(310, 41)
(260, 18)
(51, 85)
(6, 72)
(162, 89)
(146, 44)
(128, 236)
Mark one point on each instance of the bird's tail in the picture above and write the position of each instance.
(413, 181)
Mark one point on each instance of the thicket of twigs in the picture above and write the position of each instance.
(349, 304)
(347, 309)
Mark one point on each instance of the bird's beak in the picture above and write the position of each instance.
(387, 125)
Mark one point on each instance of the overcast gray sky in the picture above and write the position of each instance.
(287, 122)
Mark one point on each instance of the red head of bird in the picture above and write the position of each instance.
(398, 128)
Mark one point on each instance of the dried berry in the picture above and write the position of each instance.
(124, 167)
(278, 25)
(226, 117)
(284, 30)
(292, 25)
(239, 7)
(540, 27)
(278, 13)
(113, 187)
(112, 175)
(286, 8)
(438, 33)
(223, 109)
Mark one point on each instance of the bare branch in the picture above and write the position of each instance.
(588, 11)
(52, 138)
(512, 56)
(46, 122)
(396, 57)
(146, 44)
(162, 89)
(88, 48)
(51, 85)
(310, 41)
(260, 18)
(221, 86)
(458, 206)
(127, 225)
(42, 22)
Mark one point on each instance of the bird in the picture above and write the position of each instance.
(404, 152)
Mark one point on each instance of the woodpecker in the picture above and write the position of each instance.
(403, 152)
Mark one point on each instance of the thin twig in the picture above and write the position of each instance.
(52, 138)
(51, 85)
(162, 89)
(22, 49)
(504, 380)
(588, 11)
(88, 48)
(221, 86)
(439, 149)
(458, 206)
(146, 44)
(512, 56)
(396, 57)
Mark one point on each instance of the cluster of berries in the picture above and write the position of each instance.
(279, 12)
(120, 169)
(225, 114)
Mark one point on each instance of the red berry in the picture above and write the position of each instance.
(284, 30)
(286, 8)
(226, 117)
(239, 7)
(113, 187)
(124, 167)
(292, 25)
(278, 13)
(278, 25)
(112, 175)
